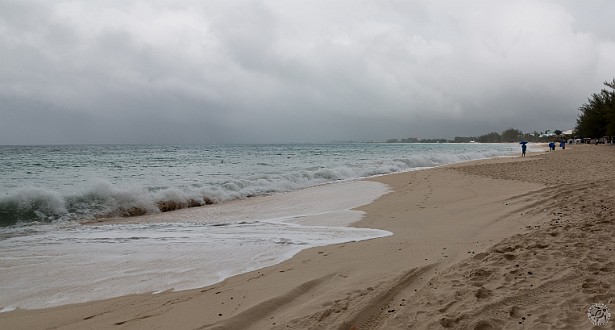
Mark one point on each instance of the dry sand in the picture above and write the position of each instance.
(515, 243)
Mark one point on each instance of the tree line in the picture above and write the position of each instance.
(597, 117)
(513, 135)
(508, 135)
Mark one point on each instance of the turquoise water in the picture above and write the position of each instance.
(82, 182)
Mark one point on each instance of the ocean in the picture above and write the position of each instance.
(197, 214)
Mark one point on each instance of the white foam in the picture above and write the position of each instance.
(75, 185)
(178, 250)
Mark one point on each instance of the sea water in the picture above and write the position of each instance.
(258, 205)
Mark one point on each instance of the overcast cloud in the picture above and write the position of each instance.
(162, 71)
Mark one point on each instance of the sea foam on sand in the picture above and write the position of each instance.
(178, 250)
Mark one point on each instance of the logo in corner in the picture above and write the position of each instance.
(599, 314)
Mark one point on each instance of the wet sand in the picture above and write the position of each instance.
(502, 243)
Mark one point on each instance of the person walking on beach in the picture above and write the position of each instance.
(551, 146)
(523, 149)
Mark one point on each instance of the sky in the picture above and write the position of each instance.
(283, 71)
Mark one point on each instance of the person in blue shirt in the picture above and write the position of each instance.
(523, 149)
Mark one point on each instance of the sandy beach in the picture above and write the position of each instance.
(506, 243)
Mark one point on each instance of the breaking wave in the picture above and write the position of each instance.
(100, 198)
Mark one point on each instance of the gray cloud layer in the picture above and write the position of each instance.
(164, 71)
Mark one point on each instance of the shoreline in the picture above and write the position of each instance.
(448, 218)
(184, 250)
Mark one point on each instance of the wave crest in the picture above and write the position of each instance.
(31, 205)
(100, 198)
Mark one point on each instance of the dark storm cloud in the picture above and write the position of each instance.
(291, 71)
